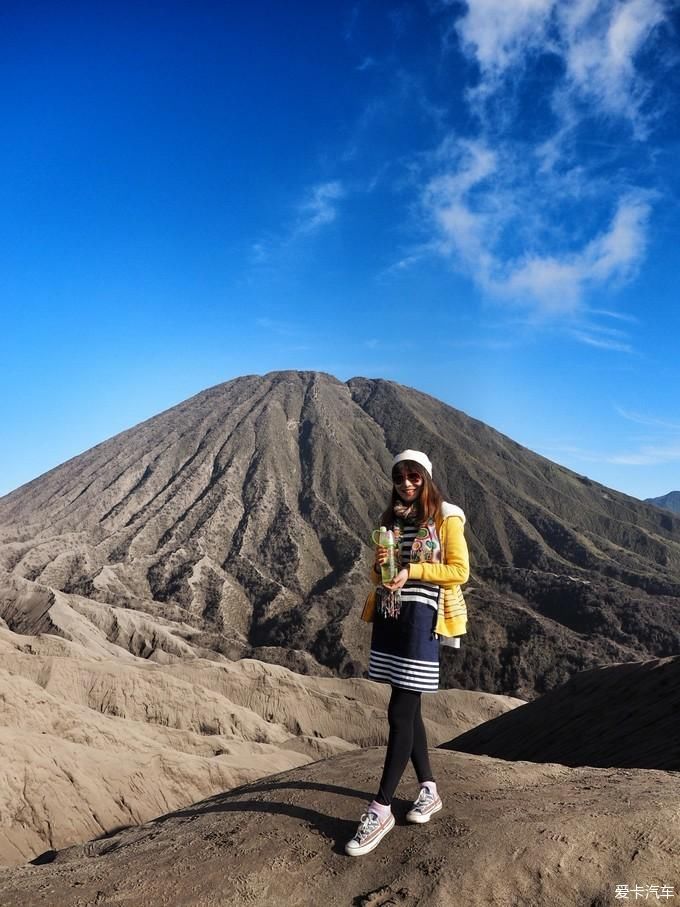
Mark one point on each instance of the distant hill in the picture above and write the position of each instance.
(238, 522)
(670, 501)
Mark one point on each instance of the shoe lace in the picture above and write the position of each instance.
(367, 824)
(423, 797)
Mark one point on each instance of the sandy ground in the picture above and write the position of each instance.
(517, 834)
(93, 742)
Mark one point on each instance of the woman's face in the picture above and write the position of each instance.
(408, 484)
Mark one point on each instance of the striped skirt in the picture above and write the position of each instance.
(404, 650)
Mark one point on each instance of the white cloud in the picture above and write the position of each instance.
(499, 33)
(616, 252)
(366, 63)
(480, 195)
(618, 316)
(644, 419)
(558, 283)
(663, 446)
(553, 286)
(597, 42)
(259, 253)
(409, 260)
(463, 231)
(587, 330)
(319, 208)
(603, 343)
(649, 455)
(506, 223)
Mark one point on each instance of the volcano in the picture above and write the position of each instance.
(238, 522)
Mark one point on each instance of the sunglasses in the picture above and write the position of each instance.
(413, 477)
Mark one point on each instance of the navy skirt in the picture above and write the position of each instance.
(404, 650)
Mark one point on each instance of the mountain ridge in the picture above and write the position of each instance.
(245, 512)
(670, 501)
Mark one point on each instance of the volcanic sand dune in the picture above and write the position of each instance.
(92, 742)
(621, 715)
(510, 834)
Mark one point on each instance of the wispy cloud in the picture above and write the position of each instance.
(535, 223)
(259, 252)
(320, 207)
(597, 42)
(645, 419)
(480, 194)
(587, 330)
(602, 343)
(498, 34)
(662, 446)
(317, 209)
(366, 63)
(558, 282)
(414, 255)
(647, 455)
(618, 316)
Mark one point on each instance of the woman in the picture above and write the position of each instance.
(410, 614)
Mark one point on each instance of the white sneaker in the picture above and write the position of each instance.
(424, 807)
(369, 834)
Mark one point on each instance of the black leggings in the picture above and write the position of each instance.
(407, 740)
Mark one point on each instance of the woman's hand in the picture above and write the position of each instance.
(380, 555)
(398, 581)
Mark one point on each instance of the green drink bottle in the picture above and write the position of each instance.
(388, 570)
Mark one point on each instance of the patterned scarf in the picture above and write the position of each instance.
(407, 513)
(426, 548)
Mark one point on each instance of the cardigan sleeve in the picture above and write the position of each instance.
(456, 566)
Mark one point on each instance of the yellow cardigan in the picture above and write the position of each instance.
(450, 574)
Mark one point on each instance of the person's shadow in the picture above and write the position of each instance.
(337, 831)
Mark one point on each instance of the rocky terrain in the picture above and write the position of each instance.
(237, 524)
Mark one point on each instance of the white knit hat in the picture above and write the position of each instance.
(417, 456)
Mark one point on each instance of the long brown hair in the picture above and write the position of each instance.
(429, 501)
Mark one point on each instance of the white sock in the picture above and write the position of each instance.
(381, 811)
(431, 786)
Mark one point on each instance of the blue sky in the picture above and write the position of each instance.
(477, 199)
